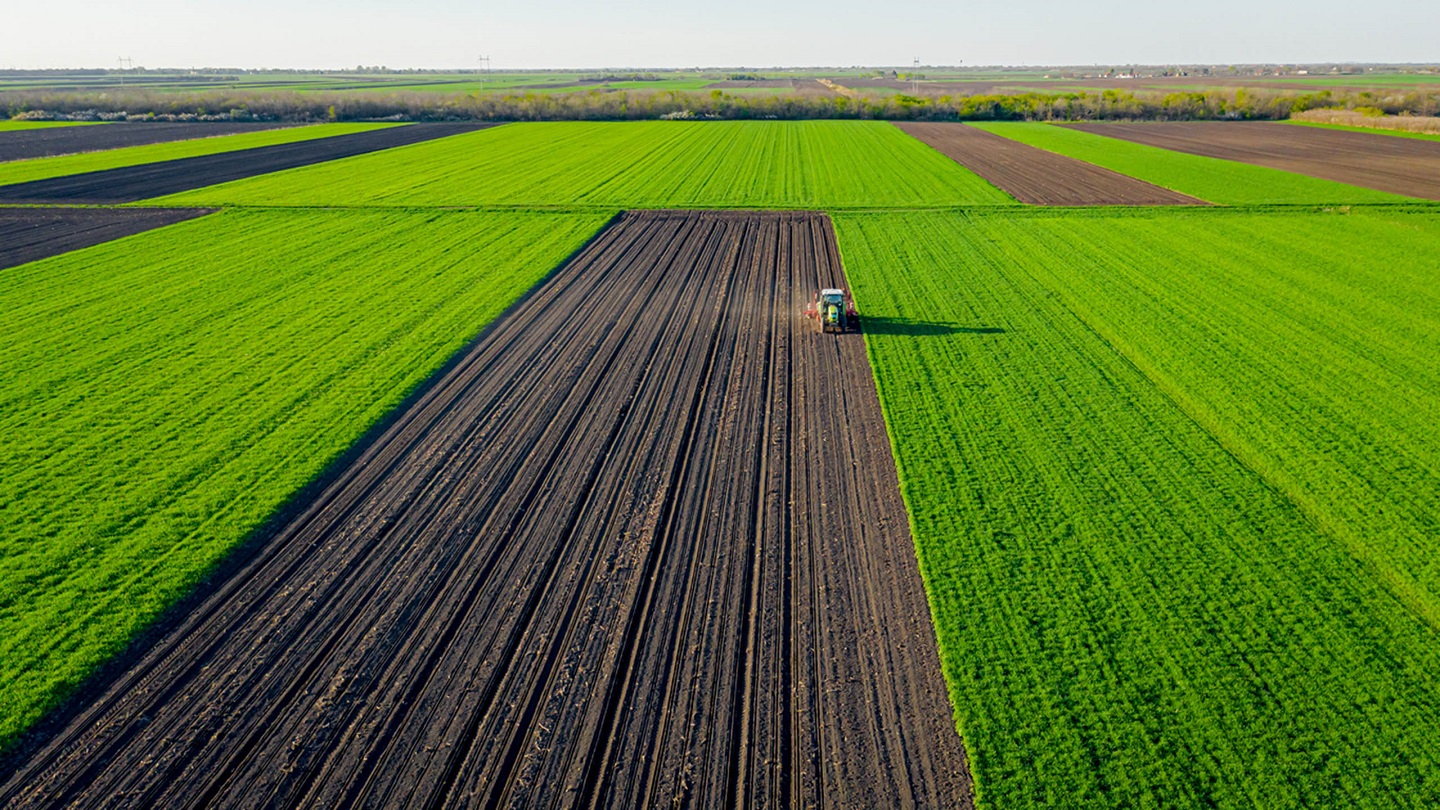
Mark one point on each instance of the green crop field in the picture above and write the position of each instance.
(1173, 482)
(1219, 181)
(1400, 133)
(12, 126)
(1336, 318)
(675, 85)
(1399, 81)
(814, 164)
(161, 395)
(21, 171)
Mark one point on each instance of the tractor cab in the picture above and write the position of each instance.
(834, 310)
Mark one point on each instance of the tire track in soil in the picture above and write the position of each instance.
(642, 545)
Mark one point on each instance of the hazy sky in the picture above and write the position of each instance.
(653, 33)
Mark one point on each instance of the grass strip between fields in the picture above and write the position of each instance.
(163, 394)
(21, 171)
(1224, 182)
(1399, 133)
(1132, 608)
(14, 126)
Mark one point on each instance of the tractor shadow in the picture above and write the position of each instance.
(876, 325)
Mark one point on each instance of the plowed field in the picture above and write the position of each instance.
(46, 141)
(29, 234)
(1037, 177)
(641, 545)
(1399, 165)
(133, 183)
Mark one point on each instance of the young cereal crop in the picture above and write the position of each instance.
(1128, 614)
(13, 126)
(163, 394)
(1219, 181)
(1305, 344)
(664, 164)
(21, 171)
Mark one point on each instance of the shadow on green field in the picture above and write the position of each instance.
(876, 325)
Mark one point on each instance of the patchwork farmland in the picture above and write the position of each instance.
(729, 587)
(504, 467)
(36, 140)
(1408, 166)
(1037, 177)
(176, 173)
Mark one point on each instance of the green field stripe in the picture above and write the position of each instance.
(1398, 133)
(22, 171)
(653, 164)
(164, 394)
(15, 126)
(1226, 182)
(1128, 615)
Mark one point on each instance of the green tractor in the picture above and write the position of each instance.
(835, 310)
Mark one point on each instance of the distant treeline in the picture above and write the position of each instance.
(595, 105)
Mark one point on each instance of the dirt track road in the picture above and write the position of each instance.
(641, 545)
(1383, 162)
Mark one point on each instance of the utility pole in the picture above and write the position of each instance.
(126, 63)
(485, 77)
(915, 78)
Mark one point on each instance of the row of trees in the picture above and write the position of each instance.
(809, 103)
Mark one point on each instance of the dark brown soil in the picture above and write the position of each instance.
(28, 234)
(134, 183)
(642, 545)
(1409, 166)
(1038, 177)
(23, 144)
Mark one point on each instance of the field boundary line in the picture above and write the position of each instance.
(957, 718)
(1012, 209)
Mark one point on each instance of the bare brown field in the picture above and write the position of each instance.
(642, 545)
(135, 183)
(24, 144)
(30, 234)
(1037, 177)
(1409, 166)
